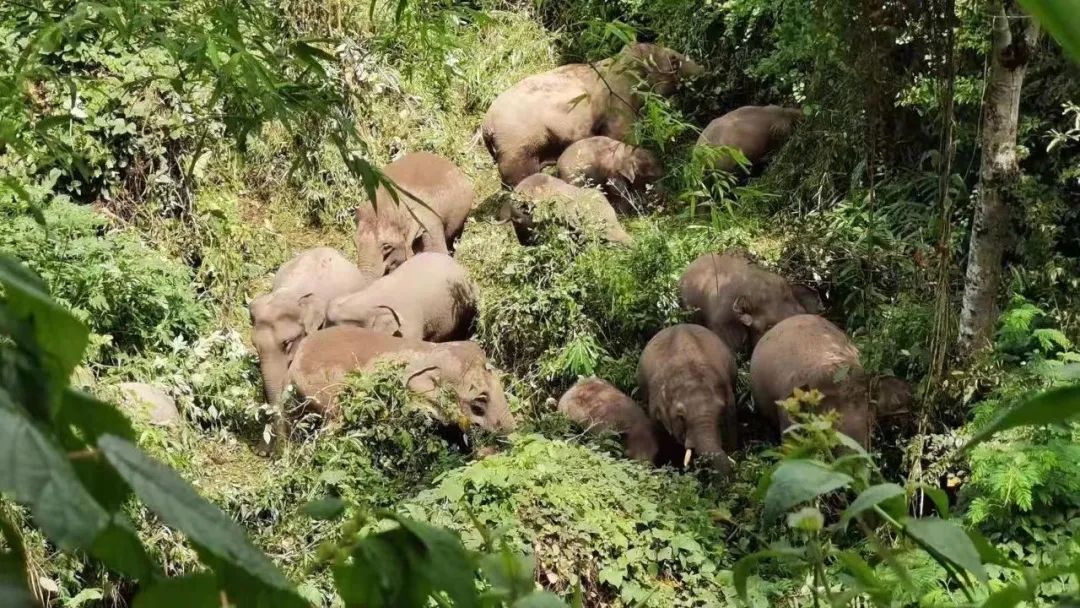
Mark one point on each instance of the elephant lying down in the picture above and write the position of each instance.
(327, 356)
(540, 198)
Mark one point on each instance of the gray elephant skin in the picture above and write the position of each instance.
(296, 307)
(530, 124)
(687, 374)
(328, 356)
(542, 197)
(809, 352)
(389, 232)
(597, 405)
(756, 131)
(739, 300)
(429, 297)
(619, 169)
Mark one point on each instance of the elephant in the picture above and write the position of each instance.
(530, 124)
(739, 300)
(598, 405)
(809, 352)
(688, 374)
(542, 197)
(296, 307)
(329, 355)
(429, 297)
(619, 169)
(389, 232)
(756, 131)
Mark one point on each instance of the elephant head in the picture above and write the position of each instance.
(280, 320)
(462, 367)
(697, 419)
(770, 302)
(384, 238)
(662, 68)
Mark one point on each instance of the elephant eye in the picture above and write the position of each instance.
(479, 405)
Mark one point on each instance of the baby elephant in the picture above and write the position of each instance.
(739, 300)
(688, 375)
(756, 131)
(328, 356)
(619, 169)
(597, 404)
(430, 297)
(547, 198)
(296, 308)
(809, 352)
(389, 233)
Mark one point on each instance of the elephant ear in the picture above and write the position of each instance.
(808, 299)
(424, 380)
(741, 307)
(386, 321)
(312, 313)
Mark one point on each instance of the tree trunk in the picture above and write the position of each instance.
(1013, 40)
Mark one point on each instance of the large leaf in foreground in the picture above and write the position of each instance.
(215, 535)
(947, 541)
(1062, 19)
(797, 481)
(1055, 406)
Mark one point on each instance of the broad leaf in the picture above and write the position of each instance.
(540, 599)
(120, 548)
(938, 496)
(191, 591)
(868, 581)
(1061, 18)
(1054, 406)
(448, 566)
(797, 481)
(870, 498)
(180, 506)
(741, 572)
(35, 473)
(946, 541)
(93, 419)
(329, 508)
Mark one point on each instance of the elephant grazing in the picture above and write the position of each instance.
(809, 352)
(549, 197)
(328, 356)
(739, 300)
(688, 375)
(598, 405)
(619, 169)
(296, 307)
(530, 124)
(756, 131)
(388, 233)
(430, 297)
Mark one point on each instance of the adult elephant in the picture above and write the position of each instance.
(530, 124)
(756, 131)
(434, 199)
(296, 307)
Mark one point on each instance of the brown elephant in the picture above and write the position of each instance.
(328, 356)
(597, 404)
(687, 374)
(541, 197)
(809, 352)
(296, 307)
(756, 131)
(619, 169)
(531, 123)
(739, 300)
(389, 233)
(429, 297)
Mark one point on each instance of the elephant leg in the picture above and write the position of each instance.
(517, 165)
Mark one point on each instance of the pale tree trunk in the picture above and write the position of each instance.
(1013, 40)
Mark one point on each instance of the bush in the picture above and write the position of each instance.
(626, 534)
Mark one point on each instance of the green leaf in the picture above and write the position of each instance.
(34, 472)
(93, 419)
(191, 591)
(864, 575)
(180, 506)
(988, 553)
(938, 496)
(1054, 406)
(869, 498)
(797, 481)
(741, 572)
(329, 508)
(59, 335)
(86, 595)
(1061, 18)
(449, 566)
(947, 542)
(540, 599)
(120, 548)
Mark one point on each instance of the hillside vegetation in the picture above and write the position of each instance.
(159, 163)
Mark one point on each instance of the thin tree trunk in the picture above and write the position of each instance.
(1013, 40)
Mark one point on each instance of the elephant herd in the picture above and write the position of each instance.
(407, 300)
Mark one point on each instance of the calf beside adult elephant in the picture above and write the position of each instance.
(328, 356)
(530, 124)
(389, 232)
(597, 404)
(541, 197)
(739, 300)
(687, 374)
(809, 352)
(619, 169)
(429, 297)
(756, 131)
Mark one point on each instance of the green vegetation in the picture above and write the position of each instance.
(158, 161)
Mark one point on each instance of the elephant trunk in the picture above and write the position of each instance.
(275, 370)
(703, 437)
